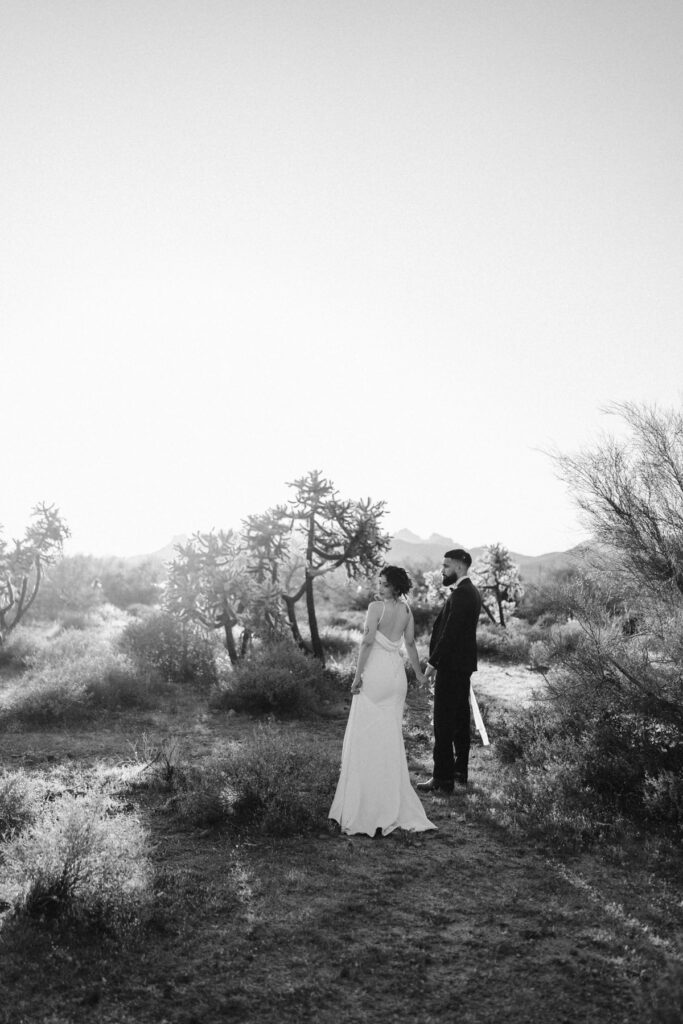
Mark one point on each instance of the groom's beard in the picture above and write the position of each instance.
(449, 580)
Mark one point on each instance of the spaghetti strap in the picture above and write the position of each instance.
(383, 610)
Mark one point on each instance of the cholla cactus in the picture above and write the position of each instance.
(497, 577)
(22, 568)
(436, 592)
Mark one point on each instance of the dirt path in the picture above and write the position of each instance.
(465, 924)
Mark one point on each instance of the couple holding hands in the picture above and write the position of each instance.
(374, 792)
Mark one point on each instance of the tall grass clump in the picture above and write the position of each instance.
(21, 800)
(82, 861)
(179, 651)
(275, 782)
(276, 678)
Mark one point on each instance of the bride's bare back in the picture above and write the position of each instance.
(393, 619)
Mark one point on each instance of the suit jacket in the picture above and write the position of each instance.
(453, 644)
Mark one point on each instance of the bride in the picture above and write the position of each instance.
(374, 790)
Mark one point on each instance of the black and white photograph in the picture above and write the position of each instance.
(341, 518)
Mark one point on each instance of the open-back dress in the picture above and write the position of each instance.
(374, 789)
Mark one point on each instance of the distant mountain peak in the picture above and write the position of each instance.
(408, 536)
(438, 538)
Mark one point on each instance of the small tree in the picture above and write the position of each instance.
(497, 577)
(22, 568)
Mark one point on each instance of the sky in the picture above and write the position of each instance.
(414, 244)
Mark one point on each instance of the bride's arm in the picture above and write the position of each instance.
(411, 649)
(369, 630)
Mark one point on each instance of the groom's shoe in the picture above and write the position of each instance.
(432, 786)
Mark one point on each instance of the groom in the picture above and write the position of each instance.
(453, 657)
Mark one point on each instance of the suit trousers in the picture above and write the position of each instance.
(451, 726)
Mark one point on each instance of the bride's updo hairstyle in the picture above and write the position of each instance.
(397, 578)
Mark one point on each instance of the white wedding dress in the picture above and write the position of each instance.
(374, 789)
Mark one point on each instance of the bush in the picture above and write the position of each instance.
(509, 644)
(124, 584)
(203, 796)
(591, 756)
(273, 782)
(73, 675)
(539, 655)
(663, 798)
(69, 587)
(71, 619)
(565, 638)
(549, 599)
(81, 861)
(281, 785)
(276, 678)
(21, 798)
(179, 651)
(21, 648)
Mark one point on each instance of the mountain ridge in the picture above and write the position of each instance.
(414, 552)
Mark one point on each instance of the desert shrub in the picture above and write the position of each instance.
(72, 676)
(544, 789)
(620, 687)
(565, 638)
(69, 587)
(663, 798)
(281, 785)
(510, 644)
(180, 651)
(21, 648)
(21, 798)
(339, 641)
(202, 794)
(158, 760)
(275, 678)
(539, 655)
(549, 599)
(69, 618)
(589, 756)
(275, 782)
(82, 861)
(551, 804)
(125, 584)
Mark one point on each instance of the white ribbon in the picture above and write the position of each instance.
(478, 720)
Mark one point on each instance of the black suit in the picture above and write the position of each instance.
(453, 653)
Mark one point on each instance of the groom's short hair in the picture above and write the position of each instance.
(459, 555)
